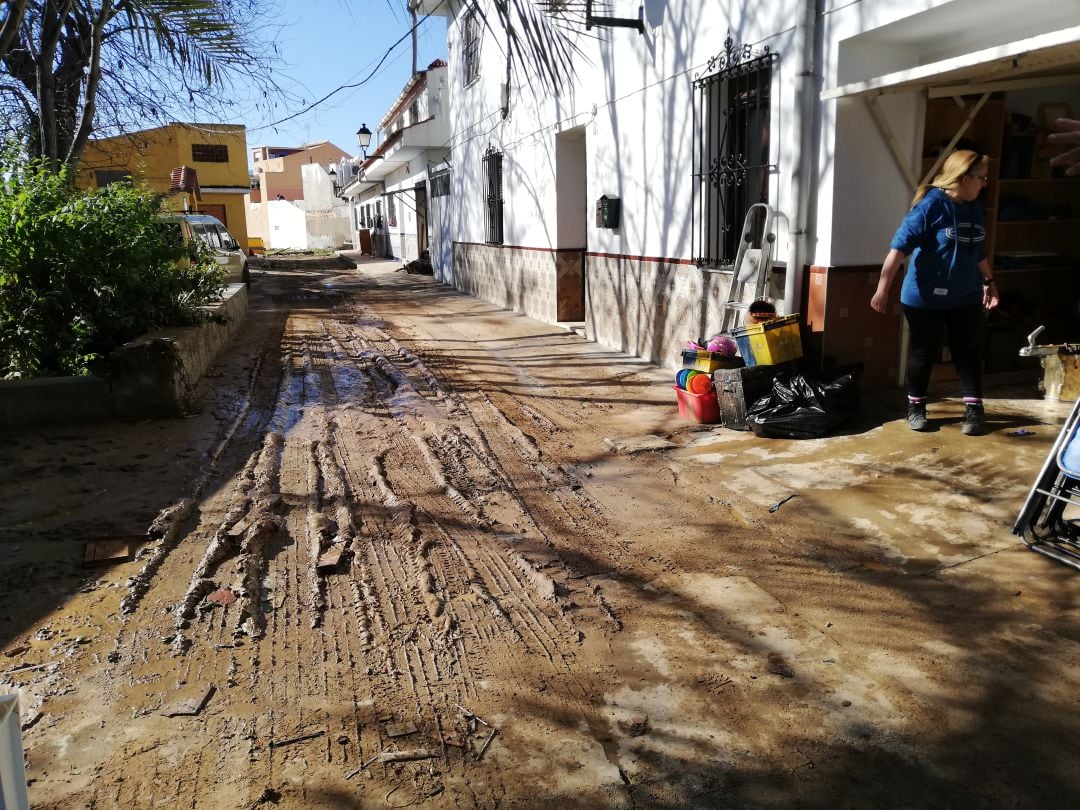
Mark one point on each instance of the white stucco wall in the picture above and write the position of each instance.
(632, 99)
(287, 226)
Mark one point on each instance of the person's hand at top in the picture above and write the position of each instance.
(1066, 144)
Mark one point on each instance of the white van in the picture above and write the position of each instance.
(209, 231)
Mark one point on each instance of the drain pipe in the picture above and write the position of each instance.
(806, 36)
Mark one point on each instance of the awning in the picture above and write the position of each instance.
(1051, 58)
(359, 187)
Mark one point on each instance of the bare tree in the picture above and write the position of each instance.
(14, 10)
(77, 67)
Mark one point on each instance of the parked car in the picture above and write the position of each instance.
(209, 231)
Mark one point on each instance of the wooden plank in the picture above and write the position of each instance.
(400, 729)
(190, 708)
(110, 550)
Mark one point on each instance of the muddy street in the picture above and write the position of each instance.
(409, 549)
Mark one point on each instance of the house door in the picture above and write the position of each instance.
(420, 192)
(214, 210)
(572, 204)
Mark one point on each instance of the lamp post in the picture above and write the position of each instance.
(363, 136)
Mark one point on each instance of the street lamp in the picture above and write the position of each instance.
(363, 135)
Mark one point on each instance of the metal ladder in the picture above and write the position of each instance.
(750, 263)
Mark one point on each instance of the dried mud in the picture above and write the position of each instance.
(391, 561)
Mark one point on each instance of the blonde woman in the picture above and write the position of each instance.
(947, 285)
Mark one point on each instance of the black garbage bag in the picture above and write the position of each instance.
(807, 407)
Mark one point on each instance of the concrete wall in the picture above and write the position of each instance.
(286, 226)
(147, 377)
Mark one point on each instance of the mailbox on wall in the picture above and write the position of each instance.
(607, 212)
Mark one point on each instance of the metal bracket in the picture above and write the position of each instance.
(614, 22)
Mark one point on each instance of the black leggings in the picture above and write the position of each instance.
(964, 329)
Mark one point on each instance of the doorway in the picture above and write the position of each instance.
(420, 193)
(571, 226)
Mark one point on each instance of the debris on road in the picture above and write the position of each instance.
(408, 756)
(400, 729)
(302, 738)
(190, 708)
(776, 506)
(110, 550)
(487, 742)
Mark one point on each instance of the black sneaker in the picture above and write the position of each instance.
(916, 416)
(974, 421)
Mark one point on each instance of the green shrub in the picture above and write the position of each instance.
(83, 272)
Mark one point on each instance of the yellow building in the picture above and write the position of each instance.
(217, 152)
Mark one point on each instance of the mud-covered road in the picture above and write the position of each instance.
(410, 550)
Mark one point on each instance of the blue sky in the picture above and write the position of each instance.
(328, 43)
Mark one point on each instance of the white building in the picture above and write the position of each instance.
(687, 113)
(390, 197)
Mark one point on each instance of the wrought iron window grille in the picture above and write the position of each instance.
(470, 46)
(493, 171)
(731, 169)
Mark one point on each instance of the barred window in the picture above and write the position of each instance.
(493, 172)
(439, 183)
(210, 153)
(731, 151)
(391, 212)
(470, 46)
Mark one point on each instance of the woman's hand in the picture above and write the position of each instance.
(990, 296)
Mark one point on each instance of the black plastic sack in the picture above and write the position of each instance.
(802, 407)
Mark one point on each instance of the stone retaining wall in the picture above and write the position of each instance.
(149, 376)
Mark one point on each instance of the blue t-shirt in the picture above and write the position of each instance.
(946, 241)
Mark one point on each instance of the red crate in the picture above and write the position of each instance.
(698, 407)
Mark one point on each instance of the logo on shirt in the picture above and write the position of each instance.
(967, 232)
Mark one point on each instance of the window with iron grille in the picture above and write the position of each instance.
(731, 150)
(439, 183)
(391, 212)
(493, 172)
(470, 46)
(210, 153)
(378, 222)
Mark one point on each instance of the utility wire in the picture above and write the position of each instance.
(353, 85)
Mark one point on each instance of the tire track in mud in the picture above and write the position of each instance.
(437, 502)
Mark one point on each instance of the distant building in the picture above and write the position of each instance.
(390, 195)
(292, 201)
(217, 153)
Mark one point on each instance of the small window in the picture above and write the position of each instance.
(470, 46)
(210, 153)
(391, 212)
(440, 183)
(493, 161)
(110, 176)
(414, 110)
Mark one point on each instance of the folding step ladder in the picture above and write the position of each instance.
(753, 262)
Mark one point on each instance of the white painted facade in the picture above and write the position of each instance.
(624, 127)
(286, 225)
(389, 195)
